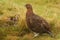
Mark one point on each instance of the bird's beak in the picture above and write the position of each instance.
(25, 5)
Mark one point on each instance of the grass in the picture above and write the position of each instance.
(48, 9)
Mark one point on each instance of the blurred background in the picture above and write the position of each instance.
(13, 13)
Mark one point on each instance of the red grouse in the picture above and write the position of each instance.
(36, 23)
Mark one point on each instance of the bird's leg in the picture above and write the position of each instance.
(35, 34)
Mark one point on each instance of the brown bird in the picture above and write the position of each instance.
(36, 23)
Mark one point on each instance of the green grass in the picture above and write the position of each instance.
(48, 9)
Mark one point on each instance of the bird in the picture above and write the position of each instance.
(37, 24)
(13, 20)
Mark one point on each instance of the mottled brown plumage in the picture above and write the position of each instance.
(36, 23)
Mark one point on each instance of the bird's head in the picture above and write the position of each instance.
(28, 6)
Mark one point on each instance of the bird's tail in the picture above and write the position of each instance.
(51, 34)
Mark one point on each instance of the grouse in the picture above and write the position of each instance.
(36, 23)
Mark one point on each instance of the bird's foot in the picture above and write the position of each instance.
(35, 35)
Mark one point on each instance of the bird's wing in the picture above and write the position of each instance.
(39, 22)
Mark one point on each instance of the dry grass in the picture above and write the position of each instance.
(48, 9)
